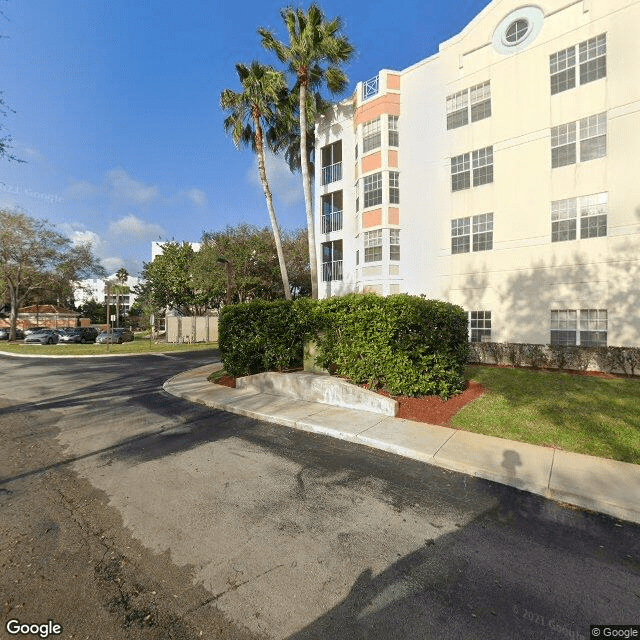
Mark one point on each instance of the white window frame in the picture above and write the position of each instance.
(563, 143)
(394, 187)
(482, 164)
(371, 135)
(373, 245)
(480, 326)
(593, 137)
(372, 186)
(394, 244)
(392, 127)
(579, 327)
(591, 58)
(461, 172)
(592, 55)
(468, 105)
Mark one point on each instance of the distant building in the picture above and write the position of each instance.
(94, 289)
(44, 315)
(157, 248)
(497, 174)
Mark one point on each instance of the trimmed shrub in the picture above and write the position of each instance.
(405, 344)
(262, 336)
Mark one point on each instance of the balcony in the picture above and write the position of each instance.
(331, 221)
(332, 271)
(370, 88)
(332, 173)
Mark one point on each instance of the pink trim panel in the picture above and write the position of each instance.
(372, 218)
(389, 103)
(374, 161)
(394, 215)
(393, 82)
(393, 158)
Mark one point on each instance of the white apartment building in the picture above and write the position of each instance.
(500, 174)
(94, 289)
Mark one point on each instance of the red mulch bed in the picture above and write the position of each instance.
(431, 409)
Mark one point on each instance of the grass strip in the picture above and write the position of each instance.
(593, 415)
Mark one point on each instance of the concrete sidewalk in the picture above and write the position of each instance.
(598, 484)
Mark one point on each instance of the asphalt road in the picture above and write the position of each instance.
(127, 513)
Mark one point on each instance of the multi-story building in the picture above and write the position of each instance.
(499, 174)
(95, 289)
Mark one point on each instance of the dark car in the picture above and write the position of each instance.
(4, 334)
(79, 334)
(45, 336)
(115, 335)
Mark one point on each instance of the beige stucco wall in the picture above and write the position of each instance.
(525, 275)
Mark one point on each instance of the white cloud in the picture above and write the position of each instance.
(285, 185)
(197, 196)
(132, 229)
(79, 190)
(123, 187)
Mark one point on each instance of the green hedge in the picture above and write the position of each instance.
(262, 336)
(406, 344)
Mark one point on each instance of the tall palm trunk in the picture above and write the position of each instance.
(306, 185)
(272, 214)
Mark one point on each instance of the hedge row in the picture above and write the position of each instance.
(404, 344)
(607, 359)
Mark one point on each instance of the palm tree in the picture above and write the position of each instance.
(122, 275)
(314, 55)
(262, 88)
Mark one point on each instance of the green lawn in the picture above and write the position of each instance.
(584, 414)
(139, 345)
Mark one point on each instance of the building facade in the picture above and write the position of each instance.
(95, 289)
(498, 174)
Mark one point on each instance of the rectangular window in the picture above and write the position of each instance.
(332, 261)
(373, 245)
(482, 227)
(563, 145)
(593, 58)
(480, 101)
(593, 215)
(592, 332)
(332, 162)
(480, 326)
(563, 220)
(458, 109)
(562, 66)
(482, 166)
(476, 100)
(394, 244)
(564, 323)
(593, 137)
(593, 327)
(461, 235)
(394, 187)
(460, 172)
(393, 131)
(371, 135)
(332, 212)
(372, 190)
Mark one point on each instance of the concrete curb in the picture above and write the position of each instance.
(95, 355)
(596, 484)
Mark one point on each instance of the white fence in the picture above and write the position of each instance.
(192, 329)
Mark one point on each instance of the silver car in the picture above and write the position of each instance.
(44, 336)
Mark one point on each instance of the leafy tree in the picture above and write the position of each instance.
(314, 54)
(94, 310)
(34, 256)
(5, 142)
(249, 112)
(171, 283)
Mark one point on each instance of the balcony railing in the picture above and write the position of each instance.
(332, 271)
(332, 173)
(370, 88)
(331, 221)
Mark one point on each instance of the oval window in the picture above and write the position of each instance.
(517, 30)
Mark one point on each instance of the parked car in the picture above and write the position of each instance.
(31, 330)
(115, 335)
(79, 334)
(46, 336)
(4, 334)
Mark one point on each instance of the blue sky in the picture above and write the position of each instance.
(118, 118)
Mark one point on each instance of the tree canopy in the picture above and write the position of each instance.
(35, 257)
